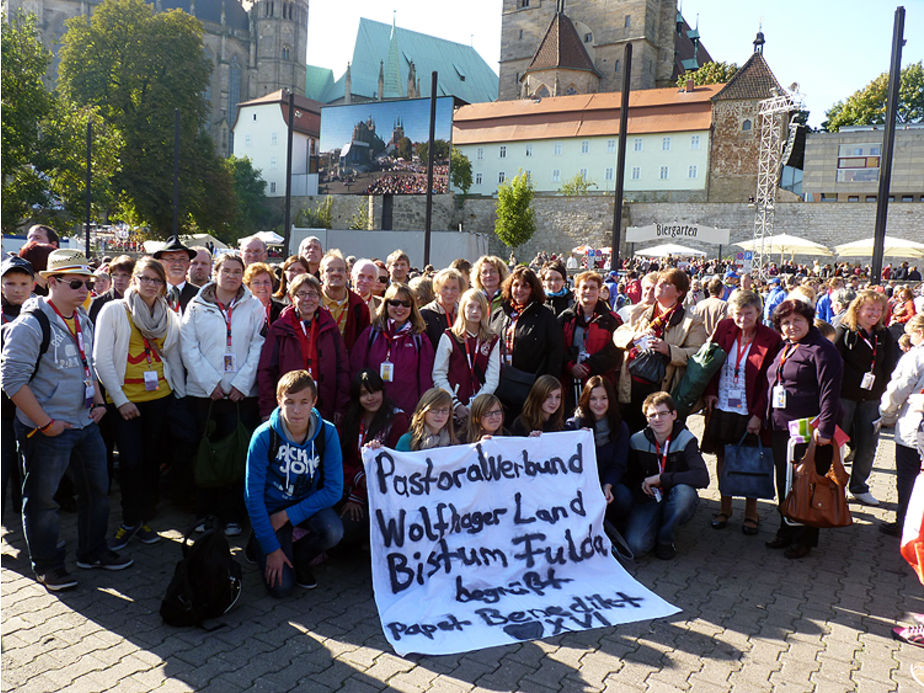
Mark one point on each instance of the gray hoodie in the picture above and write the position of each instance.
(59, 379)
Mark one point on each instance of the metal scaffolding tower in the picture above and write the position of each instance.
(771, 114)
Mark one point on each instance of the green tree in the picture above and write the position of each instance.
(360, 219)
(137, 67)
(252, 210)
(321, 217)
(460, 170)
(516, 221)
(868, 105)
(576, 186)
(405, 148)
(440, 150)
(710, 73)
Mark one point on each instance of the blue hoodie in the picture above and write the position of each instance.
(293, 481)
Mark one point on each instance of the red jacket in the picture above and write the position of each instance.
(412, 356)
(357, 319)
(603, 356)
(354, 474)
(282, 352)
(763, 350)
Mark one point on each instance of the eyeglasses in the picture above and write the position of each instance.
(77, 283)
(305, 295)
(394, 303)
(150, 280)
(658, 414)
(493, 414)
(442, 412)
(383, 280)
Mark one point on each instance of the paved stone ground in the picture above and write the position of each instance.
(750, 621)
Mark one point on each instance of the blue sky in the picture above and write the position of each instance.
(337, 121)
(830, 47)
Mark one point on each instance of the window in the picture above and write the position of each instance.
(746, 125)
(557, 149)
(556, 175)
(273, 162)
(585, 146)
(694, 142)
(274, 138)
(588, 38)
(907, 198)
(521, 34)
(664, 172)
(502, 152)
(636, 173)
(615, 66)
(523, 4)
(858, 163)
(870, 198)
(479, 153)
(247, 140)
(501, 177)
(529, 150)
(637, 144)
(611, 146)
(272, 186)
(478, 179)
(691, 173)
(254, 116)
(665, 144)
(285, 52)
(608, 174)
(628, 22)
(529, 175)
(853, 198)
(583, 173)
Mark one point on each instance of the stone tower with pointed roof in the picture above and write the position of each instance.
(664, 45)
(735, 143)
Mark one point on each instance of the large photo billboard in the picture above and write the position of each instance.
(380, 147)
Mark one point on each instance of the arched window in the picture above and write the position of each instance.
(542, 91)
(570, 91)
(746, 125)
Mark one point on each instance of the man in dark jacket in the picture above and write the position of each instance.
(664, 470)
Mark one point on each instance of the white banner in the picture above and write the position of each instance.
(481, 545)
(679, 232)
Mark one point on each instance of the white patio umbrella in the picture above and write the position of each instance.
(666, 249)
(893, 247)
(785, 244)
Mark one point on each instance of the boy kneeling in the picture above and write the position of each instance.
(294, 477)
(664, 469)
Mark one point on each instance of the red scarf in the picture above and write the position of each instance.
(308, 339)
(516, 309)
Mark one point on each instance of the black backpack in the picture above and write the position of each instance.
(206, 582)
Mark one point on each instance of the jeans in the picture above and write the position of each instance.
(140, 447)
(857, 421)
(45, 460)
(325, 531)
(619, 508)
(651, 522)
(907, 466)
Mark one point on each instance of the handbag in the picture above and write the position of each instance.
(514, 385)
(221, 462)
(650, 366)
(818, 500)
(747, 471)
(701, 367)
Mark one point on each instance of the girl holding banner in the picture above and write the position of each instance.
(431, 425)
(543, 411)
(486, 419)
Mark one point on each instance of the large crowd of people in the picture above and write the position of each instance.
(313, 359)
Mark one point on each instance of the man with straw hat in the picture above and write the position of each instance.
(47, 370)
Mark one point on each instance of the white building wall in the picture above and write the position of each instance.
(552, 162)
(260, 134)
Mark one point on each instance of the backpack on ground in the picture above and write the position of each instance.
(206, 582)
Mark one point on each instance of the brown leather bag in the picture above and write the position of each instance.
(818, 500)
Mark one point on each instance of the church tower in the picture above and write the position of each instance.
(279, 43)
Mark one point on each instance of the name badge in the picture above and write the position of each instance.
(229, 363)
(150, 381)
(734, 402)
(867, 382)
(387, 371)
(582, 356)
(89, 392)
(508, 360)
(779, 397)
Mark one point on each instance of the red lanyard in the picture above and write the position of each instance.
(873, 347)
(269, 308)
(787, 352)
(227, 319)
(78, 337)
(471, 360)
(662, 461)
(741, 348)
(449, 319)
(147, 350)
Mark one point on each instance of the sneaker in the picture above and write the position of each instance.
(146, 535)
(665, 551)
(865, 498)
(56, 580)
(913, 635)
(123, 535)
(109, 560)
(232, 529)
(305, 579)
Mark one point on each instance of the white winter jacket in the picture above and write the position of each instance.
(203, 343)
(110, 351)
(907, 379)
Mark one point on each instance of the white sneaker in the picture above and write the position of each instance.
(232, 529)
(865, 498)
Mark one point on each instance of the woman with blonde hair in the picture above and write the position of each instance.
(440, 313)
(487, 275)
(431, 424)
(543, 410)
(258, 277)
(486, 419)
(468, 361)
(395, 346)
(869, 353)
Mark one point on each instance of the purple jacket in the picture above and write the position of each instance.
(282, 352)
(412, 356)
(812, 378)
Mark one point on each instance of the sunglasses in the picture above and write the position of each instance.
(77, 283)
(394, 303)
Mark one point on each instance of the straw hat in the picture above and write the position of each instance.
(67, 261)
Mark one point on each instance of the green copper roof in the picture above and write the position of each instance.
(317, 81)
(462, 72)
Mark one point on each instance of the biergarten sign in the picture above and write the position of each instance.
(677, 232)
